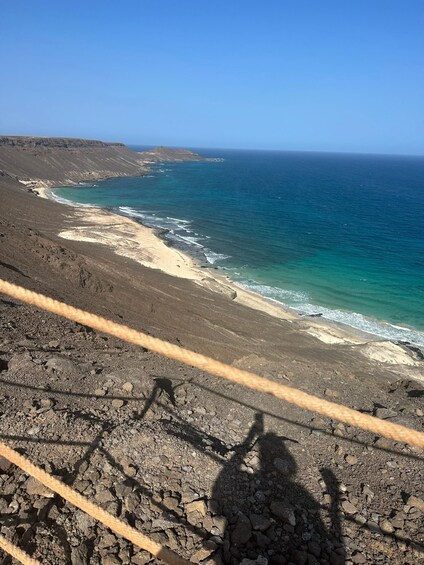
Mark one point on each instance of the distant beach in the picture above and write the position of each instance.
(129, 238)
(282, 237)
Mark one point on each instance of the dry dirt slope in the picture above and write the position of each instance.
(62, 160)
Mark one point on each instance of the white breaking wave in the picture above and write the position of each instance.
(213, 257)
(178, 220)
(130, 212)
(70, 202)
(299, 301)
(368, 325)
(179, 231)
(190, 240)
(278, 294)
(152, 220)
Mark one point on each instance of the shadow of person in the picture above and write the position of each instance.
(270, 518)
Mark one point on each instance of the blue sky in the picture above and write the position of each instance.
(326, 75)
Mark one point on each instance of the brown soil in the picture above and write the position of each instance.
(58, 161)
(214, 471)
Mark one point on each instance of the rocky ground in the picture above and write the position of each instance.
(215, 472)
(218, 473)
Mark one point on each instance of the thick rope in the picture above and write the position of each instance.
(302, 399)
(17, 552)
(95, 511)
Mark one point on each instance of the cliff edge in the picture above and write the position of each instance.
(49, 161)
(165, 154)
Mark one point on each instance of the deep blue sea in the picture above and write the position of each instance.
(336, 234)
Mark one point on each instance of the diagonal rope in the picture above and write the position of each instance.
(17, 552)
(302, 399)
(94, 510)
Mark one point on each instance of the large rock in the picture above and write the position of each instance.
(79, 554)
(60, 364)
(242, 532)
(34, 487)
(5, 464)
(20, 361)
(348, 507)
(283, 511)
(204, 552)
(284, 466)
(259, 522)
(197, 506)
(416, 502)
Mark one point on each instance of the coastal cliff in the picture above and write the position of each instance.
(165, 154)
(46, 161)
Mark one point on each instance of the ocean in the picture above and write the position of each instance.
(333, 234)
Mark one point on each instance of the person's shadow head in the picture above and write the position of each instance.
(268, 513)
(274, 455)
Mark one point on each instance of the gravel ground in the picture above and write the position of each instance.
(217, 473)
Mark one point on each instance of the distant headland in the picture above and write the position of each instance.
(165, 154)
(50, 161)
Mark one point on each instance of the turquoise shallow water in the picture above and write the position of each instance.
(341, 235)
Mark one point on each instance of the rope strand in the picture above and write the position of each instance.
(89, 507)
(299, 398)
(302, 399)
(17, 552)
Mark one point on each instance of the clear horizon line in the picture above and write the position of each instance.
(197, 147)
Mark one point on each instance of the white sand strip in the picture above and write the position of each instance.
(130, 239)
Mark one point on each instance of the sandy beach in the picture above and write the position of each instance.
(130, 239)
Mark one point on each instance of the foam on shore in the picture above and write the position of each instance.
(299, 302)
(124, 233)
(179, 232)
(129, 239)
